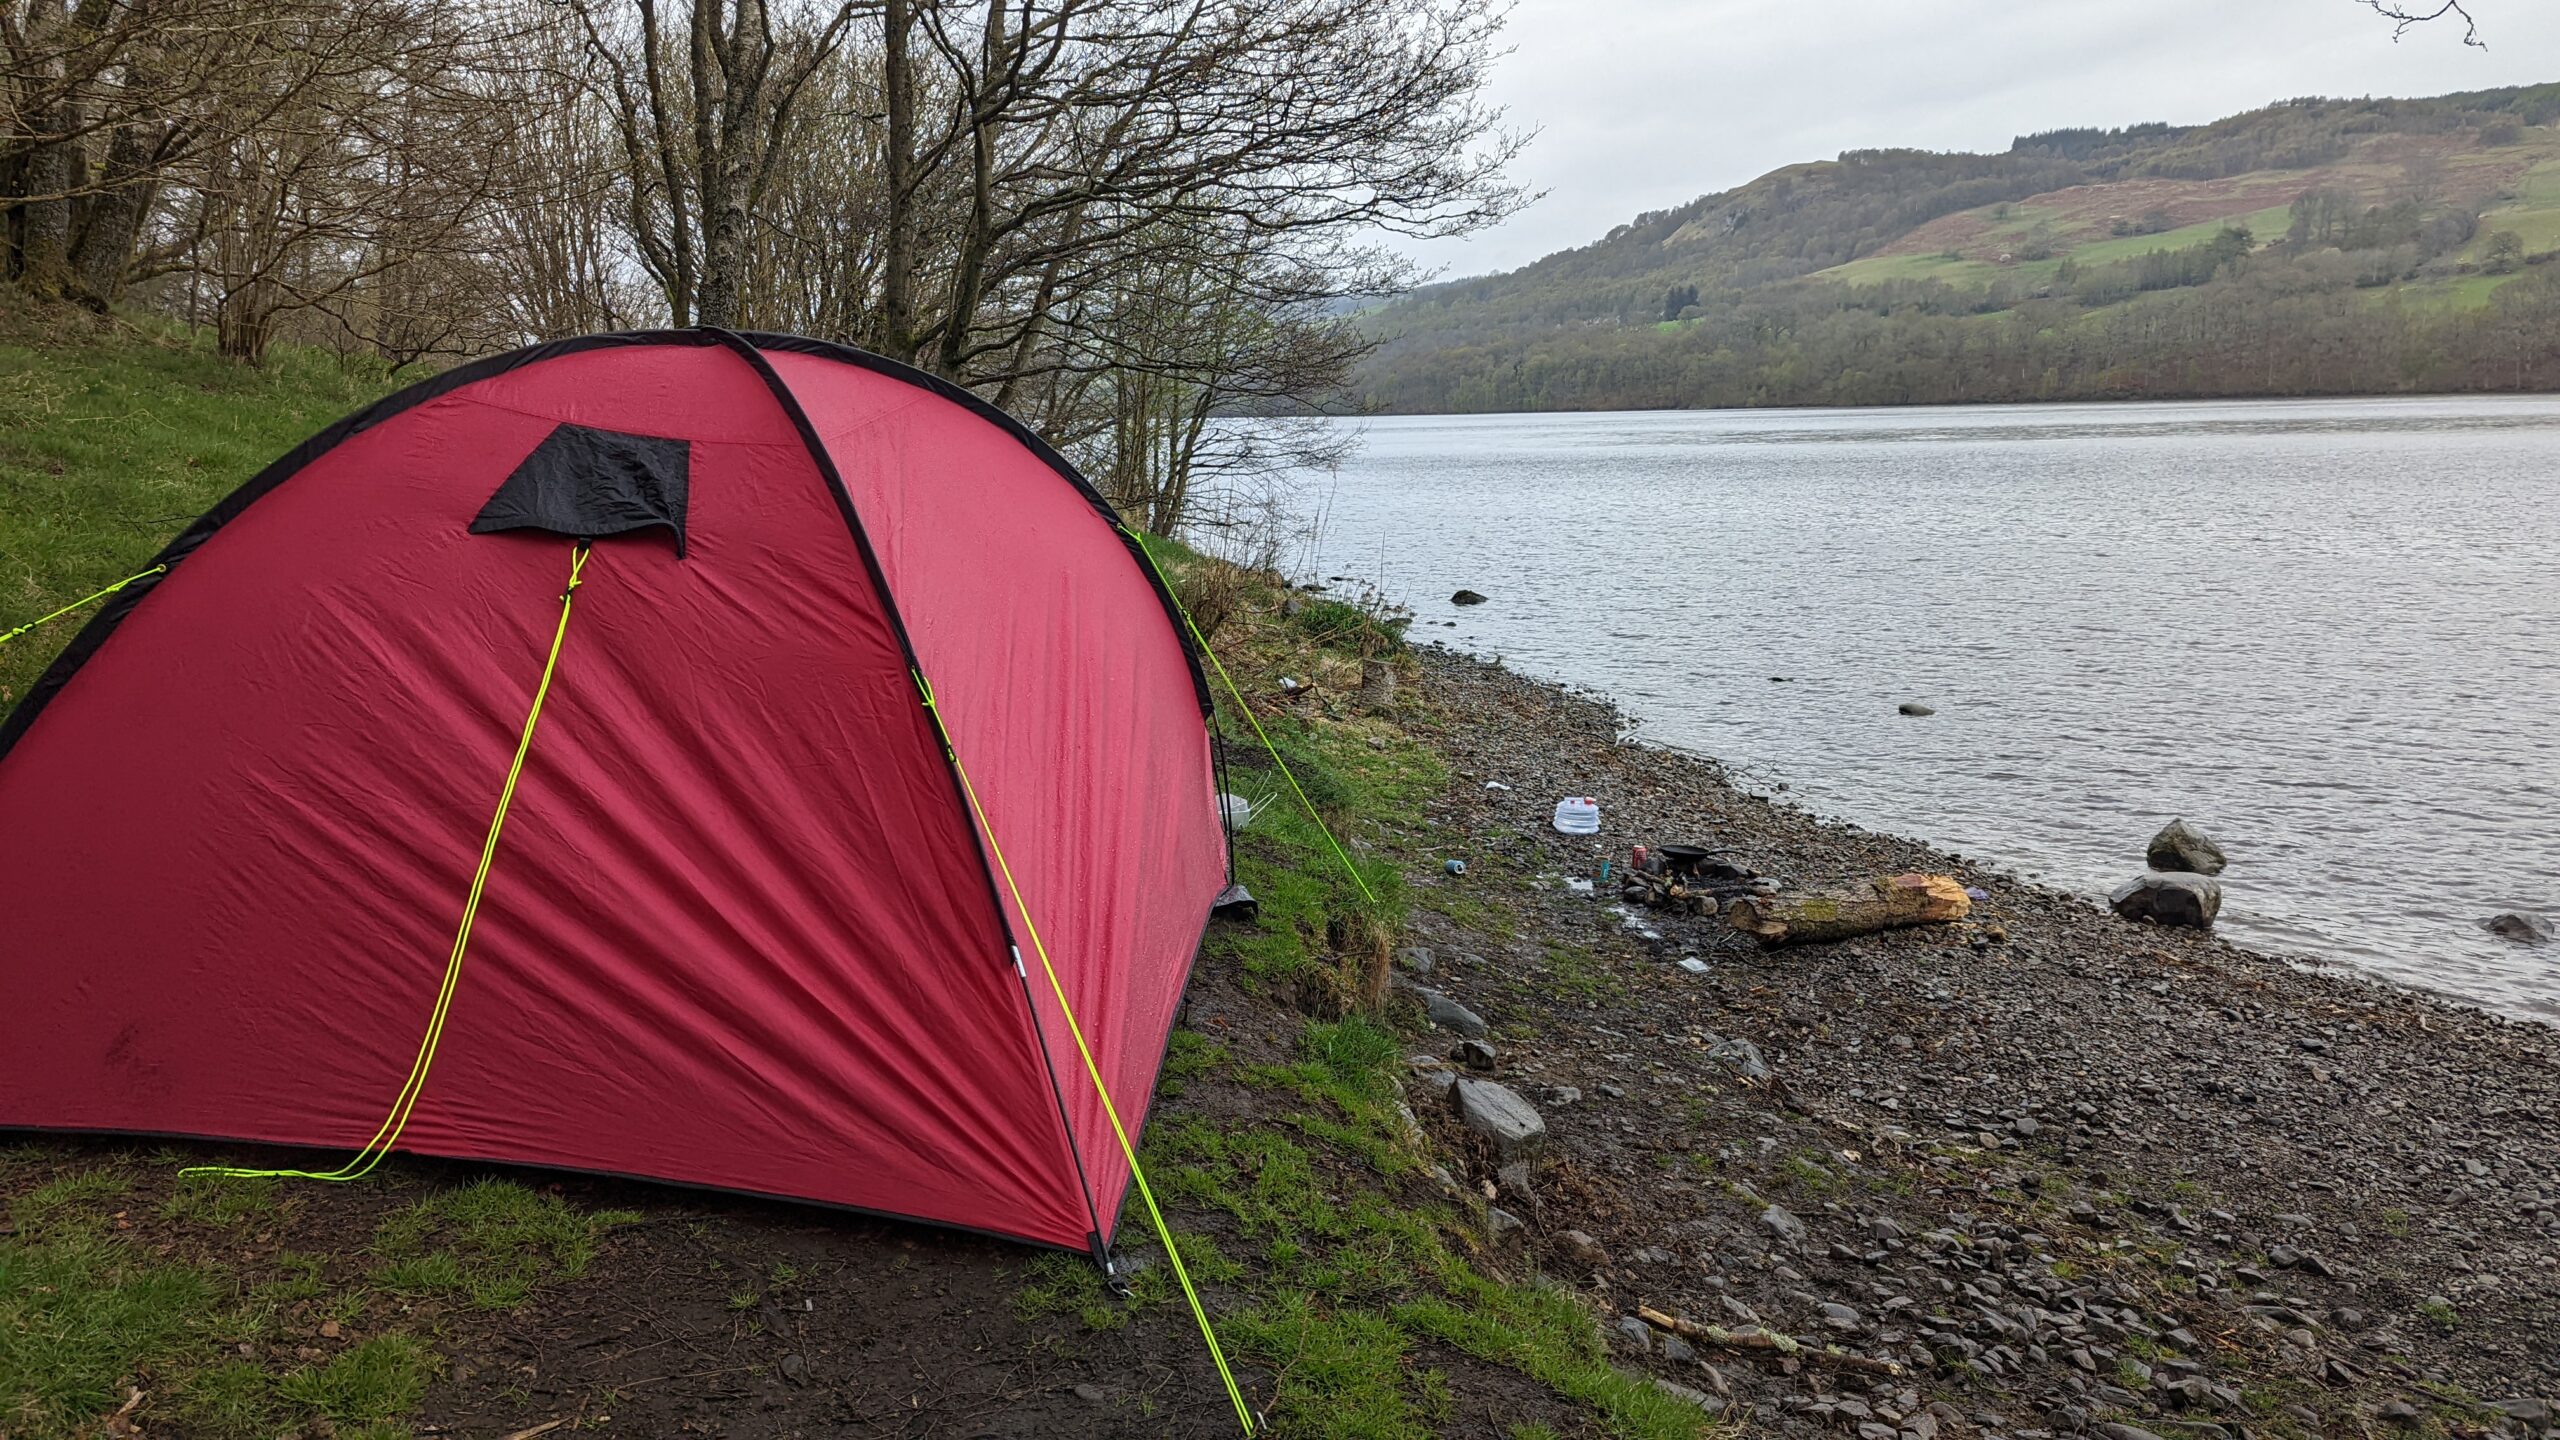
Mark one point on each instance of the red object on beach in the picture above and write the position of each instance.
(1635, 859)
(742, 928)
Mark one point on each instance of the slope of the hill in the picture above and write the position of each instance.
(2312, 247)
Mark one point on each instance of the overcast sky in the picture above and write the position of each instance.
(1645, 104)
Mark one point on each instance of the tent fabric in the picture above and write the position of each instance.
(741, 931)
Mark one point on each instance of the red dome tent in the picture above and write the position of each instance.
(743, 928)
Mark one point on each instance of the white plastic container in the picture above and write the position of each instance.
(1578, 815)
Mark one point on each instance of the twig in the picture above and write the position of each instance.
(1762, 1340)
(2404, 18)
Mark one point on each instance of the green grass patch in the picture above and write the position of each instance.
(113, 440)
(377, 1381)
(78, 1312)
(490, 1243)
(1345, 1373)
(220, 1200)
(1544, 1334)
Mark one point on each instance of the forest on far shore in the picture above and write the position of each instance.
(2314, 247)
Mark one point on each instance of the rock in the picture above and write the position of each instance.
(1497, 1112)
(1841, 1317)
(2522, 927)
(1677, 1391)
(794, 1367)
(1583, 1251)
(1637, 1333)
(2182, 847)
(1914, 707)
(1675, 1349)
(2117, 1430)
(2399, 1412)
(2189, 900)
(2025, 1127)
(1504, 1231)
(1476, 1055)
(1416, 958)
(1466, 597)
(1089, 1393)
(2536, 1413)
(1448, 1014)
(1786, 1226)
(1741, 1057)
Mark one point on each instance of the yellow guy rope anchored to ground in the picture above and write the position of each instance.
(7, 636)
(1259, 733)
(1092, 1070)
(398, 1120)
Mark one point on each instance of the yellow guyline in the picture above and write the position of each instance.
(1092, 1070)
(1250, 718)
(8, 636)
(407, 1101)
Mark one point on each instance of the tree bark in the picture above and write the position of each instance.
(1885, 903)
(898, 243)
(111, 221)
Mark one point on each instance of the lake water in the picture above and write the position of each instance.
(2328, 632)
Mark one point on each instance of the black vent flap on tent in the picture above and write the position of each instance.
(587, 483)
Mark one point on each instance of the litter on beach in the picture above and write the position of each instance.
(1578, 815)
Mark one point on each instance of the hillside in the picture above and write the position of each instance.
(2312, 247)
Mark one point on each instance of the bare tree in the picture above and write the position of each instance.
(700, 139)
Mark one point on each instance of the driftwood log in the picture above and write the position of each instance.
(1836, 914)
(1763, 1340)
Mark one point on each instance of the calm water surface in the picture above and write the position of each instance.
(2327, 632)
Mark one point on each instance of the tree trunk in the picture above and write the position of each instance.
(1885, 903)
(113, 218)
(44, 225)
(897, 245)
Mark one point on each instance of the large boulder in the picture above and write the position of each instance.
(2189, 900)
(1496, 1112)
(2181, 846)
(1466, 597)
(2520, 926)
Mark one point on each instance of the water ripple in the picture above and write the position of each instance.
(2327, 631)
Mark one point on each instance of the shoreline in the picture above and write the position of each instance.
(1632, 730)
(2348, 1184)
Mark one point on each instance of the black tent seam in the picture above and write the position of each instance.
(1030, 440)
(825, 464)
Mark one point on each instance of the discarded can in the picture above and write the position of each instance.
(1454, 867)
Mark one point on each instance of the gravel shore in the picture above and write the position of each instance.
(2063, 1172)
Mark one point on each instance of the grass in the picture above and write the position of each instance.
(492, 1244)
(79, 1311)
(112, 439)
(218, 1335)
